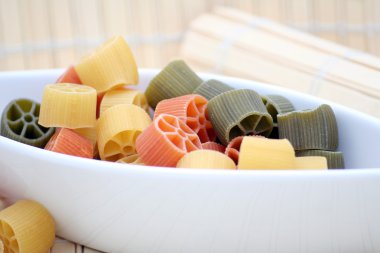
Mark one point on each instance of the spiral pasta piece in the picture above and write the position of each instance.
(19, 122)
(109, 66)
(117, 130)
(335, 160)
(175, 80)
(211, 88)
(191, 109)
(311, 163)
(26, 227)
(311, 129)
(131, 159)
(210, 145)
(266, 154)
(66, 141)
(206, 159)
(68, 105)
(239, 112)
(123, 96)
(166, 141)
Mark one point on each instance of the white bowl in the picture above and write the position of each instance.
(125, 208)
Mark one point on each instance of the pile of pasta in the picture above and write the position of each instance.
(93, 111)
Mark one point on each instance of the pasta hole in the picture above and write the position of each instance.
(28, 118)
(249, 123)
(192, 110)
(16, 127)
(272, 111)
(190, 146)
(165, 126)
(203, 135)
(181, 133)
(111, 149)
(264, 125)
(202, 120)
(32, 133)
(235, 132)
(192, 123)
(25, 105)
(13, 113)
(128, 150)
(185, 128)
(176, 140)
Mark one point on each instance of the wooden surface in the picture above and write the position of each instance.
(56, 33)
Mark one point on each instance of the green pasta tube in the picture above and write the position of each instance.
(175, 80)
(335, 160)
(277, 104)
(19, 122)
(212, 88)
(239, 112)
(310, 129)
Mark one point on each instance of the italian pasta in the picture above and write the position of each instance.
(239, 112)
(207, 159)
(166, 141)
(311, 163)
(211, 88)
(176, 79)
(117, 130)
(335, 159)
(211, 145)
(68, 105)
(26, 227)
(131, 159)
(191, 109)
(109, 66)
(233, 148)
(69, 76)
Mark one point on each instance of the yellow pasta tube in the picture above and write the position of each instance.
(68, 105)
(206, 159)
(117, 130)
(26, 227)
(123, 96)
(110, 65)
(131, 159)
(265, 154)
(87, 132)
(311, 163)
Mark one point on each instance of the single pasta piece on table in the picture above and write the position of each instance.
(26, 227)
(206, 159)
(265, 154)
(311, 163)
(210, 145)
(166, 141)
(68, 105)
(123, 96)
(191, 109)
(66, 141)
(175, 80)
(109, 66)
(239, 112)
(117, 130)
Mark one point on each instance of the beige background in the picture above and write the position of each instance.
(54, 33)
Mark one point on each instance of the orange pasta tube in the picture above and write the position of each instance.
(210, 145)
(69, 76)
(68, 142)
(191, 109)
(166, 141)
(233, 148)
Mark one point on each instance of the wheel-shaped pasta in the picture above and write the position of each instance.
(310, 129)
(19, 122)
(68, 105)
(239, 112)
(175, 80)
(257, 153)
(66, 141)
(211, 88)
(166, 141)
(210, 145)
(117, 130)
(109, 66)
(191, 109)
(123, 96)
(206, 159)
(233, 148)
(26, 226)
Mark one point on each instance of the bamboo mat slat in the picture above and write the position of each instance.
(234, 43)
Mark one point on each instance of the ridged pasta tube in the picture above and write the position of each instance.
(68, 105)
(117, 130)
(191, 109)
(335, 160)
(239, 112)
(211, 88)
(311, 163)
(109, 66)
(123, 96)
(277, 104)
(266, 154)
(175, 80)
(206, 159)
(166, 141)
(311, 129)
(26, 227)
